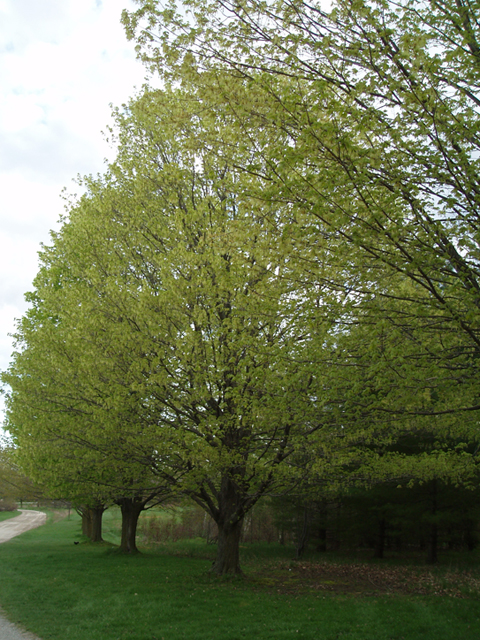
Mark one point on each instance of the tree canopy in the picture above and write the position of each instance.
(370, 126)
(169, 335)
(278, 275)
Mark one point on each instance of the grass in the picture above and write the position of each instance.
(6, 515)
(63, 591)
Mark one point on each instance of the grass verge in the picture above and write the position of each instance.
(60, 590)
(6, 515)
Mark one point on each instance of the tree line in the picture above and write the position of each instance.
(274, 287)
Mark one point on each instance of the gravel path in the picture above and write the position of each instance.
(15, 526)
(8, 631)
(8, 530)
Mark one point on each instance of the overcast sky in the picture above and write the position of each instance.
(62, 63)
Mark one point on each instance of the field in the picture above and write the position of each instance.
(66, 591)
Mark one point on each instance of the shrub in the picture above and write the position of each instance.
(7, 505)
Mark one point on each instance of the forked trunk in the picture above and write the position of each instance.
(131, 509)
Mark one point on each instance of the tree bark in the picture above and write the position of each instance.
(229, 520)
(228, 549)
(380, 539)
(322, 529)
(470, 535)
(92, 522)
(432, 556)
(86, 521)
(303, 537)
(322, 540)
(96, 514)
(131, 509)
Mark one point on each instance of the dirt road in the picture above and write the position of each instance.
(8, 530)
(15, 526)
(8, 631)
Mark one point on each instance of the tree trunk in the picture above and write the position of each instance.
(470, 536)
(432, 556)
(322, 540)
(303, 537)
(229, 520)
(92, 522)
(228, 549)
(380, 539)
(86, 521)
(322, 528)
(131, 509)
(96, 523)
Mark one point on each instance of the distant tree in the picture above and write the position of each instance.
(15, 486)
(69, 434)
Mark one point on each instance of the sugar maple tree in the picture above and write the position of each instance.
(176, 324)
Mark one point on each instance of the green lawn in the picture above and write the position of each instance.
(5, 515)
(64, 591)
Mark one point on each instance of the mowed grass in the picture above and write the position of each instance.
(6, 515)
(60, 590)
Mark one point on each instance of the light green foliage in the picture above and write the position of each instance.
(210, 305)
(369, 128)
(170, 334)
(14, 485)
(70, 411)
(364, 121)
(281, 264)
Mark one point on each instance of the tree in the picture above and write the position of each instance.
(14, 485)
(92, 520)
(71, 415)
(370, 129)
(220, 325)
(169, 338)
(365, 120)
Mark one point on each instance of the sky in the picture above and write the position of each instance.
(62, 64)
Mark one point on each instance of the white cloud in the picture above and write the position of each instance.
(29, 209)
(18, 112)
